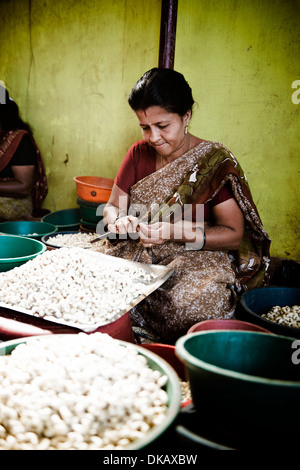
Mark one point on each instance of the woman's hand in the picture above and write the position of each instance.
(155, 234)
(126, 224)
(160, 232)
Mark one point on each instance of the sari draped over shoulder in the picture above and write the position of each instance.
(9, 143)
(205, 284)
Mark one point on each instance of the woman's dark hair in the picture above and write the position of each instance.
(162, 87)
(10, 119)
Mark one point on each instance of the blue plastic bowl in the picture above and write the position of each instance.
(256, 302)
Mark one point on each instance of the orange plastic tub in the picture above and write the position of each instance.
(93, 188)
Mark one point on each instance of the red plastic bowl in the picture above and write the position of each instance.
(167, 352)
(15, 325)
(226, 325)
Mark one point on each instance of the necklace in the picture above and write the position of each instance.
(161, 157)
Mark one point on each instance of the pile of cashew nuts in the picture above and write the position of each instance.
(78, 392)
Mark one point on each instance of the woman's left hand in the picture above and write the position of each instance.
(160, 232)
(155, 234)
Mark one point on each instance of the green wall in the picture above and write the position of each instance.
(70, 65)
(241, 58)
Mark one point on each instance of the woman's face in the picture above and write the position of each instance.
(164, 131)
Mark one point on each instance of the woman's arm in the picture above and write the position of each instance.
(21, 184)
(117, 203)
(227, 231)
(115, 215)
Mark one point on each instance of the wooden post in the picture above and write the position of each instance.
(167, 33)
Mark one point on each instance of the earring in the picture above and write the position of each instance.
(186, 129)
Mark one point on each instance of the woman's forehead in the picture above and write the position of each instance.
(154, 115)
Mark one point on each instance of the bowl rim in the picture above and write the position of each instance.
(188, 358)
(235, 320)
(266, 321)
(26, 222)
(269, 288)
(110, 181)
(71, 209)
(21, 258)
(174, 397)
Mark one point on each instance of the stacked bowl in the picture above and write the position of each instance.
(93, 192)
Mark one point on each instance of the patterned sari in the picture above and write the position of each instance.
(14, 208)
(205, 284)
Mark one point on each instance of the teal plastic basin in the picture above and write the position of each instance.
(26, 228)
(65, 220)
(16, 250)
(242, 381)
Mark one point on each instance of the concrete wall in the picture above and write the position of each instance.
(70, 65)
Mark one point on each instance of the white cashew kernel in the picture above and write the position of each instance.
(287, 315)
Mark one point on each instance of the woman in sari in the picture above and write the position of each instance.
(23, 184)
(183, 202)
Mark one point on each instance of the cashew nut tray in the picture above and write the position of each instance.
(78, 288)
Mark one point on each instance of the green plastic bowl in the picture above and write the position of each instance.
(244, 382)
(173, 387)
(16, 250)
(65, 220)
(28, 228)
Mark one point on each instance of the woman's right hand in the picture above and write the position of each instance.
(126, 224)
